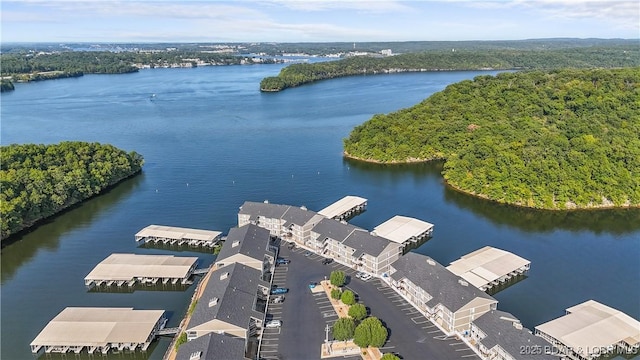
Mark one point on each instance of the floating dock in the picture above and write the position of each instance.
(489, 267)
(404, 230)
(590, 330)
(129, 269)
(344, 208)
(178, 236)
(99, 330)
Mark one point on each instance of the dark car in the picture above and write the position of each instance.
(279, 291)
(281, 261)
(327, 261)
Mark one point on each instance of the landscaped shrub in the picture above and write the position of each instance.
(348, 297)
(343, 329)
(358, 312)
(337, 278)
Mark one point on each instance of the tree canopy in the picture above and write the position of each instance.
(370, 332)
(553, 140)
(343, 329)
(357, 311)
(40, 180)
(348, 297)
(298, 74)
(337, 278)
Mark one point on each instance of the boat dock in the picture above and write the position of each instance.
(99, 330)
(129, 269)
(489, 267)
(345, 208)
(178, 236)
(404, 230)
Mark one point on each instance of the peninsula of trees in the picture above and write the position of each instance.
(583, 57)
(553, 140)
(40, 180)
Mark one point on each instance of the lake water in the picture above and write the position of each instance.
(211, 141)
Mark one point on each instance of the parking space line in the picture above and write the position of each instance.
(456, 343)
(433, 332)
(472, 355)
(464, 349)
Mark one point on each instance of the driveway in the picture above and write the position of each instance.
(305, 315)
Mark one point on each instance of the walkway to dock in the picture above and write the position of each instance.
(344, 208)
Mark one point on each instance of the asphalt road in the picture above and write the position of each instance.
(305, 315)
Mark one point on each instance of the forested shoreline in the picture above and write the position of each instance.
(591, 57)
(39, 181)
(559, 139)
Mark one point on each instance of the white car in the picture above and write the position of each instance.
(365, 276)
(273, 324)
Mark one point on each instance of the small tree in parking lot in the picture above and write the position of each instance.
(357, 312)
(370, 332)
(343, 329)
(348, 297)
(389, 356)
(336, 293)
(337, 278)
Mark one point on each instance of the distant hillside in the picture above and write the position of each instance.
(553, 140)
(521, 59)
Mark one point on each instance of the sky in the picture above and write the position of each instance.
(314, 20)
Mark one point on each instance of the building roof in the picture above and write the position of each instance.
(87, 326)
(341, 206)
(265, 209)
(592, 325)
(297, 216)
(178, 233)
(485, 265)
(400, 229)
(212, 347)
(250, 240)
(130, 266)
(445, 287)
(365, 243)
(503, 329)
(334, 229)
(229, 296)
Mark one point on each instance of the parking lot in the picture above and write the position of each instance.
(305, 315)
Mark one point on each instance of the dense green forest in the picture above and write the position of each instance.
(591, 57)
(553, 140)
(6, 85)
(38, 181)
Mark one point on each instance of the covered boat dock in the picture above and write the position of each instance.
(489, 267)
(344, 208)
(128, 269)
(99, 330)
(591, 330)
(404, 230)
(177, 235)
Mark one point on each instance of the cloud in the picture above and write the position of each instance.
(370, 6)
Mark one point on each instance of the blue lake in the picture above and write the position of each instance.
(211, 141)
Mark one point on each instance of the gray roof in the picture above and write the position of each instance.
(329, 228)
(436, 280)
(236, 296)
(253, 242)
(212, 347)
(298, 216)
(255, 209)
(498, 326)
(365, 243)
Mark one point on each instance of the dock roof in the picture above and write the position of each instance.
(341, 206)
(129, 266)
(250, 240)
(445, 287)
(178, 233)
(87, 326)
(505, 330)
(399, 229)
(213, 346)
(229, 296)
(485, 265)
(592, 325)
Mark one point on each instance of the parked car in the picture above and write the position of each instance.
(273, 324)
(312, 284)
(281, 261)
(359, 274)
(291, 246)
(279, 291)
(365, 277)
(327, 261)
(277, 299)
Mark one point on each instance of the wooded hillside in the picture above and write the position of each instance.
(40, 180)
(553, 140)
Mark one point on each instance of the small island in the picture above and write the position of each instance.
(455, 60)
(564, 139)
(39, 181)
